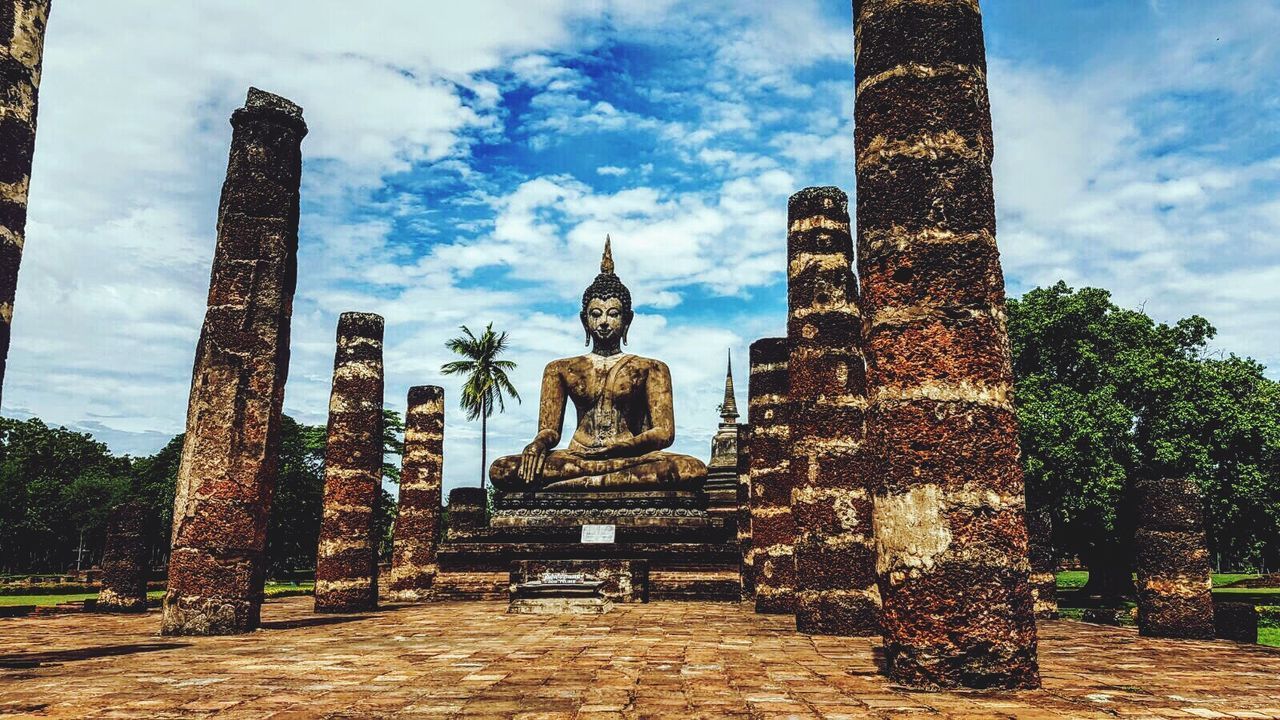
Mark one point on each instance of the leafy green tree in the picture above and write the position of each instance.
(52, 481)
(1106, 395)
(486, 380)
(88, 500)
(293, 528)
(392, 445)
(155, 481)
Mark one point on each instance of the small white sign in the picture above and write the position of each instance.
(562, 578)
(597, 533)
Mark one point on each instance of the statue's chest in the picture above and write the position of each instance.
(615, 383)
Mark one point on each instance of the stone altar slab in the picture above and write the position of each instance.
(624, 581)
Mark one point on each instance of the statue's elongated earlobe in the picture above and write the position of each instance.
(625, 330)
(587, 333)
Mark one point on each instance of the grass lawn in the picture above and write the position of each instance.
(1268, 599)
(7, 600)
(273, 590)
(1072, 579)
(1269, 635)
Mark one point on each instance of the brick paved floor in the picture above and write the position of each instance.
(683, 660)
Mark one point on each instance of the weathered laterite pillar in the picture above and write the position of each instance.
(347, 555)
(949, 514)
(417, 528)
(1044, 564)
(773, 531)
(744, 512)
(831, 499)
(124, 560)
(232, 448)
(1174, 587)
(22, 26)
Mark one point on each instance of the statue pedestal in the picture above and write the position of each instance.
(688, 553)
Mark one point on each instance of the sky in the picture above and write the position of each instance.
(465, 161)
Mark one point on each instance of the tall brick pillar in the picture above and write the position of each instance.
(347, 555)
(773, 531)
(232, 448)
(22, 26)
(949, 511)
(831, 498)
(124, 560)
(417, 529)
(1174, 585)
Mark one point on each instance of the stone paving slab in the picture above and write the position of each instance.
(666, 659)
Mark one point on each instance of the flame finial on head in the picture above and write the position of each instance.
(606, 260)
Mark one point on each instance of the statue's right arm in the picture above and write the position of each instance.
(551, 407)
(550, 420)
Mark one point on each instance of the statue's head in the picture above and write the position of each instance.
(606, 304)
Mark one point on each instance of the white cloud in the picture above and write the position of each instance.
(1100, 181)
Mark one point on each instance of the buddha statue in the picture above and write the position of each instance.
(625, 419)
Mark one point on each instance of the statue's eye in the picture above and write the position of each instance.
(596, 313)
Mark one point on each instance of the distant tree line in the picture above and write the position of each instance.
(58, 486)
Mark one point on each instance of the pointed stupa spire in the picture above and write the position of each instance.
(606, 260)
(729, 409)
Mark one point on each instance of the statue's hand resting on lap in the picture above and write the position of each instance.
(531, 461)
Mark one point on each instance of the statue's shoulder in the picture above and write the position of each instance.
(650, 364)
(559, 365)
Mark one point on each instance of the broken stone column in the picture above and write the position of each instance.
(417, 528)
(1174, 586)
(772, 529)
(744, 512)
(124, 560)
(1044, 564)
(232, 448)
(831, 498)
(22, 26)
(347, 555)
(468, 513)
(949, 510)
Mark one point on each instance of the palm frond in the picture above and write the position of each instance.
(458, 367)
(487, 383)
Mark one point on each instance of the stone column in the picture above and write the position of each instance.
(232, 448)
(773, 531)
(468, 513)
(1174, 586)
(124, 560)
(22, 26)
(744, 512)
(1044, 564)
(347, 555)
(417, 528)
(831, 499)
(949, 514)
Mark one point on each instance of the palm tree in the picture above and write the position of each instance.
(486, 382)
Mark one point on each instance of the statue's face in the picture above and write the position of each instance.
(605, 319)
